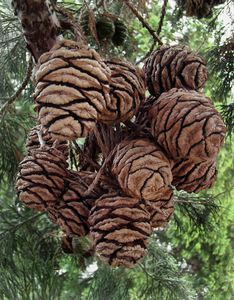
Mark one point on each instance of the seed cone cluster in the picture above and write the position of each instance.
(182, 120)
(136, 151)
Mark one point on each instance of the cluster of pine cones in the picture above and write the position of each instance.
(173, 139)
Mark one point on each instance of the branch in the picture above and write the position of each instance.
(17, 226)
(40, 24)
(143, 22)
(22, 87)
(163, 13)
(69, 22)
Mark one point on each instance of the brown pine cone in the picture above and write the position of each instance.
(72, 90)
(33, 143)
(174, 66)
(40, 181)
(186, 124)
(141, 168)
(127, 92)
(161, 207)
(72, 211)
(142, 118)
(193, 176)
(120, 229)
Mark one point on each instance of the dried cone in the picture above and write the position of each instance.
(34, 143)
(127, 92)
(72, 211)
(142, 118)
(174, 66)
(193, 176)
(40, 181)
(161, 208)
(120, 228)
(141, 169)
(185, 123)
(72, 90)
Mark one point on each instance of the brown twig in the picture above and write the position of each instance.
(160, 25)
(100, 142)
(85, 156)
(163, 13)
(148, 53)
(22, 87)
(143, 22)
(99, 173)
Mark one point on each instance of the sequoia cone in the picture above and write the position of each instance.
(192, 176)
(72, 90)
(120, 228)
(174, 66)
(127, 92)
(141, 168)
(186, 124)
(40, 181)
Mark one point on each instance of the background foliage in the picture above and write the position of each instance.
(193, 258)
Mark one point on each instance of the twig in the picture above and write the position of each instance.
(22, 87)
(148, 53)
(163, 13)
(17, 226)
(71, 24)
(143, 22)
(100, 143)
(85, 156)
(99, 173)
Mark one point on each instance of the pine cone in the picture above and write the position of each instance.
(72, 90)
(161, 207)
(142, 118)
(72, 211)
(193, 176)
(40, 181)
(186, 124)
(174, 66)
(127, 92)
(33, 142)
(121, 33)
(120, 229)
(141, 169)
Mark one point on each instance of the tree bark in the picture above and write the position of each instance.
(40, 24)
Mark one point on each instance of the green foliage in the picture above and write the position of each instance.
(30, 257)
(210, 252)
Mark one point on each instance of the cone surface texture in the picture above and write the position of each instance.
(186, 124)
(40, 181)
(120, 228)
(127, 91)
(174, 66)
(72, 90)
(141, 168)
(193, 176)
